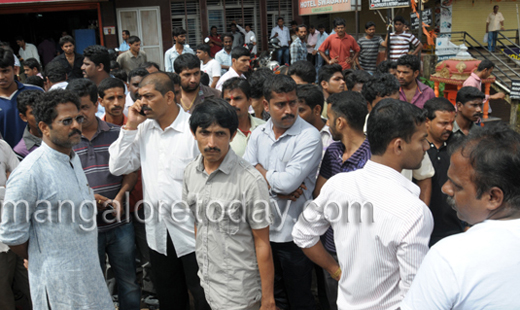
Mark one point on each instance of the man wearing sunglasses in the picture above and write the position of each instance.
(49, 214)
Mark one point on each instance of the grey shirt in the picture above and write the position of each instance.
(55, 211)
(225, 247)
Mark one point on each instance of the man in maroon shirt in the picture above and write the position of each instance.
(215, 41)
(339, 46)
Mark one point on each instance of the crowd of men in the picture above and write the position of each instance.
(238, 190)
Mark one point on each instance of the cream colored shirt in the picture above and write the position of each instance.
(239, 143)
(494, 21)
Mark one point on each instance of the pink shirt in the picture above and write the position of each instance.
(475, 81)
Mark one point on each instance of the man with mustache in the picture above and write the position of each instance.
(112, 98)
(412, 90)
(479, 268)
(237, 92)
(115, 229)
(161, 143)
(469, 109)
(440, 115)
(193, 91)
(57, 230)
(287, 151)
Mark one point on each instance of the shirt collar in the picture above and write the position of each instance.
(177, 124)
(29, 139)
(254, 122)
(294, 130)
(58, 155)
(226, 165)
(475, 76)
(456, 127)
(386, 172)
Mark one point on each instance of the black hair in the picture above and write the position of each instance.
(120, 74)
(6, 58)
(186, 62)
(407, 23)
(494, 154)
(381, 85)
(303, 26)
(304, 69)
(67, 39)
(149, 64)
(311, 95)
(351, 106)
(369, 24)
(485, 64)
(177, 31)
(248, 25)
(279, 17)
(32, 63)
(311, 26)
(320, 26)
(127, 32)
(399, 18)
(160, 83)
(385, 66)
(232, 24)
(213, 27)
(204, 47)
(55, 72)
(109, 83)
(257, 80)
(391, 119)
(469, 93)
(437, 104)
(19, 38)
(410, 61)
(45, 108)
(293, 23)
(34, 80)
(214, 111)
(227, 34)
(114, 65)
(204, 79)
(137, 72)
(84, 87)
(327, 71)
(133, 39)
(237, 83)
(240, 51)
(98, 55)
(495, 6)
(174, 77)
(26, 99)
(278, 84)
(357, 76)
(338, 21)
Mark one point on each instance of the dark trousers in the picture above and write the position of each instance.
(311, 58)
(173, 277)
(292, 277)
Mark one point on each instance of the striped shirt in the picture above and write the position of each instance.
(333, 164)
(369, 51)
(400, 44)
(94, 159)
(298, 50)
(381, 230)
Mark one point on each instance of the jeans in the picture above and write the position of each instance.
(319, 63)
(119, 244)
(292, 277)
(283, 55)
(492, 40)
(331, 286)
(174, 276)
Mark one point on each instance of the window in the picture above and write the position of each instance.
(192, 24)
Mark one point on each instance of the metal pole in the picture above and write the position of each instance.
(243, 18)
(518, 23)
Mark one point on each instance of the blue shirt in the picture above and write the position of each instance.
(59, 223)
(290, 160)
(333, 164)
(172, 54)
(321, 38)
(224, 59)
(11, 125)
(124, 46)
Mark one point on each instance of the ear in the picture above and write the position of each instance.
(22, 117)
(101, 67)
(170, 96)
(317, 110)
(416, 74)
(44, 128)
(99, 101)
(458, 106)
(324, 84)
(428, 123)
(397, 146)
(495, 198)
(266, 106)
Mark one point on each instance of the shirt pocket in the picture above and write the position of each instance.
(228, 216)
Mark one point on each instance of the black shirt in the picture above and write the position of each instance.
(445, 219)
(72, 72)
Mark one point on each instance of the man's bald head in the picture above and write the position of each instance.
(161, 82)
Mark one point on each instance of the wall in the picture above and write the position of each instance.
(471, 17)
(166, 22)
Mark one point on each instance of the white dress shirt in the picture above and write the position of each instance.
(283, 35)
(128, 103)
(249, 37)
(30, 52)
(228, 75)
(60, 85)
(290, 160)
(162, 156)
(381, 232)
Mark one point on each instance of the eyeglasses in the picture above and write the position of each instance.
(68, 121)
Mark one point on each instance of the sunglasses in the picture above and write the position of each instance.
(68, 121)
